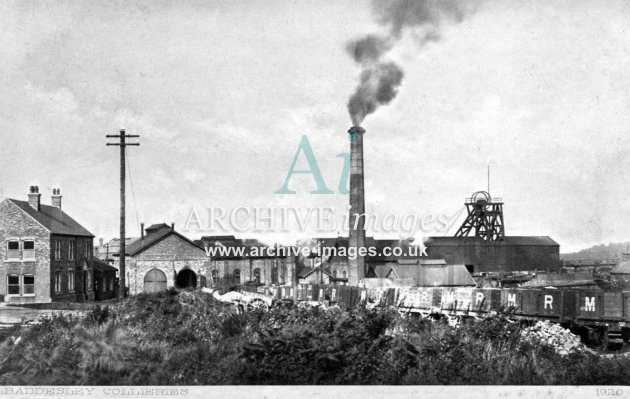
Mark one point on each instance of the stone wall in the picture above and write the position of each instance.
(171, 255)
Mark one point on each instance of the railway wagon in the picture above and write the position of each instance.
(579, 307)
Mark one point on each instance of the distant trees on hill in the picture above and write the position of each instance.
(602, 251)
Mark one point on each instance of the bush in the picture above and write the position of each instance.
(187, 338)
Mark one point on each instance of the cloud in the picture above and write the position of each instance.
(221, 95)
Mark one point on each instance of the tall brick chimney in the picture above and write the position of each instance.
(34, 197)
(357, 203)
(55, 199)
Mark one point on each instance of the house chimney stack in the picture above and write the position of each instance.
(357, 204)
(142, 231)
(173, 226)
(55, 200)
(34, 197)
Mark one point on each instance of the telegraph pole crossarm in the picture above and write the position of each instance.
(121, 252)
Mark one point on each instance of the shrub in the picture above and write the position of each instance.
(175, 337)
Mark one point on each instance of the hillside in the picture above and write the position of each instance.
(602, 251)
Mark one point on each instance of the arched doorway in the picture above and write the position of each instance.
(236, 276)
(154, 281)
(186, 279)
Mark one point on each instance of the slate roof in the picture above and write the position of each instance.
(156, 227)
(101, 266)
(149, 240)
(53, 219)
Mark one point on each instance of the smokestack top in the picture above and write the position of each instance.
(356, 129)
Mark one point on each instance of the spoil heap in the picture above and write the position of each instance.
(562, 340)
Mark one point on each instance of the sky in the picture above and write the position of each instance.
(222, 92)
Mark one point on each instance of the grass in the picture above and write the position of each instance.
(186, 338)
(57, 305)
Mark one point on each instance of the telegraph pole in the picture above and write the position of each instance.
(121, 252)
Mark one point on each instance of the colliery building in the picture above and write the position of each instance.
(163, 258)
(449, 261)
(238, 264)
(510, 254)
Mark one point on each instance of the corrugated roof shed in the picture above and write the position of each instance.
(425, 272)
(622, 268)
(508, 240)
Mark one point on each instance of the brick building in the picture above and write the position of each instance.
(105, 280)
(162, 258)
(240, 264)
(45, 253)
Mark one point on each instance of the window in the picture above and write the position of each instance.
(29, 249)
(257, 275)
(70, 281)
(345, 275)
(28, 284)
(335, 273)
(13, 284)
(57, 281)
(13, 249)
(89, 280)
(111, 283)
(237, 276)
(57, 249)
(72, 245)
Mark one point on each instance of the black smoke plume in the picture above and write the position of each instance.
(381, 78)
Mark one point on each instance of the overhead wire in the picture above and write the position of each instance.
(133, 194)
